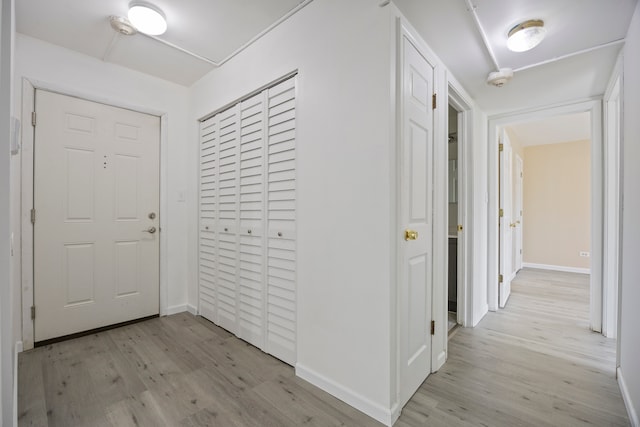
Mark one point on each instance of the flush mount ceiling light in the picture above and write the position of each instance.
(147, 18)
(526, 35)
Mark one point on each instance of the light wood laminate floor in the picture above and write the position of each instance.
(533, 364)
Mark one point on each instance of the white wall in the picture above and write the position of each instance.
(344, 172)
(6, 320)
(78, 74)
(629, 333)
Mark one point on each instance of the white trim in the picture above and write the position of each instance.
(628, 402)
(175, 309)
(18, 350)
(29, 86)
(462, 104)
(612, 134)
(556, 268)
(594, 107)
(361, 403)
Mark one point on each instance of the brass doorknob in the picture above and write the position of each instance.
(410, 235)
(512, 225)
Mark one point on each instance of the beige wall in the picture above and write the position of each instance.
(557, 182)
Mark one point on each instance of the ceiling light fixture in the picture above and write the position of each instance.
(147, 18)
(526, 35)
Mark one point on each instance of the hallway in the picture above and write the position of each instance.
(534, 363)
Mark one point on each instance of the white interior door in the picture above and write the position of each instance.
(506, 222)
(415, 234)
(517, 214)
(96, 200)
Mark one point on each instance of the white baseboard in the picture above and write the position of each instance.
(18, 350)
(557, 268)
(361, 403)
(181, 309)
(633, 414)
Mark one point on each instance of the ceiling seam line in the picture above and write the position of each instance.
(241, 48)
(183, 50)
(472, 9)
(267, 30)
(112, 44)
(569, 55)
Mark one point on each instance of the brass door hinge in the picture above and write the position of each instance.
(501, 213)
(33, 216)
(33, 118)
(500, 147)
(433, 327)
(500, 278)
(434, 101)
(33, 312)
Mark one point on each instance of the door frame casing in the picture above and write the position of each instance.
(465, 173)
(613, 173)
(594, 107)
(29, 87)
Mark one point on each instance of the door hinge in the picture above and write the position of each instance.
(500, 278)
(501, 213)
(433, 327)
(500, 147)
(33, 216)
(33, 118)
(33, 312)
(434, 101)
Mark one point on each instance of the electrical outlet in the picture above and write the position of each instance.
(584, 254)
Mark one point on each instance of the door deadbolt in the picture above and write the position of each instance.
(152, 215)
(410, 235)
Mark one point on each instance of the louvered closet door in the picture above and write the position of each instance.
(209, 209)
(251, 215)
(247, 220)
(281, 222)
(227, 227)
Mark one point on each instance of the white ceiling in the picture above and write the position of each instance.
(216, 28)
(211, 28)
(565, 128)
(572, 25)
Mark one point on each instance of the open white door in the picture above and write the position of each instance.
(96, 200)
(519, 187)
(506, 223)
(415, 234)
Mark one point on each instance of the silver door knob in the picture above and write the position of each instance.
(150, 230)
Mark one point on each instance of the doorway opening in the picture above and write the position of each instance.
(453, 223)
(596, 252)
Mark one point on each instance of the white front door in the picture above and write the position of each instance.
(96, 200)
(415, 234)
(506, 222)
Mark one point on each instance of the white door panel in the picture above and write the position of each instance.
(96, 180)
(519, 188)
(507, 223)
(416, 168)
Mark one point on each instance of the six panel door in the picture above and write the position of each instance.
(96, 197)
